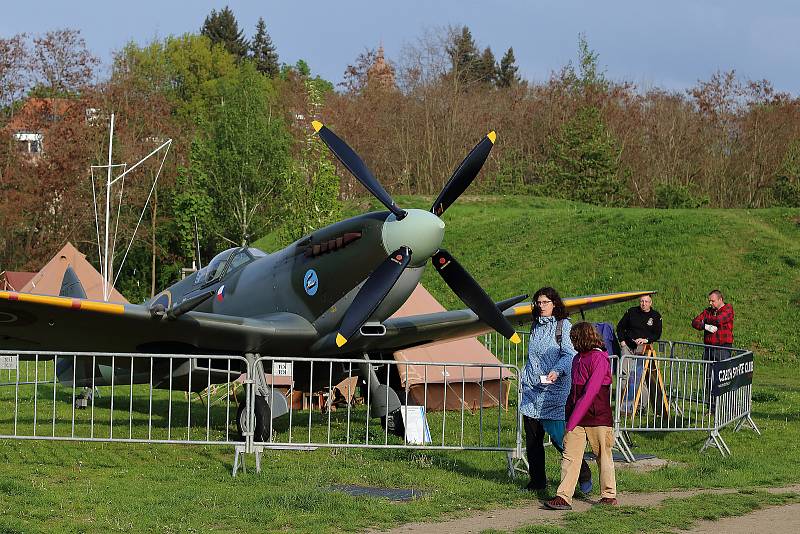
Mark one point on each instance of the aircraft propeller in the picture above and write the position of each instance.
(382, 279)
(464, 174)
(472, 294)
(357, 168)
(372, 293)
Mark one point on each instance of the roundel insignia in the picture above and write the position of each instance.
(310, 282)
(12, 317)
(221, 293)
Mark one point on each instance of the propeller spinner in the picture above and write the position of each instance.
(413, 236)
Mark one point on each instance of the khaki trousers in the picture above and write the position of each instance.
(601, 439)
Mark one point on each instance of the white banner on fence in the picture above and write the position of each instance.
(416, 424)
(9, 361)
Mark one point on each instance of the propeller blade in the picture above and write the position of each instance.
(357, 167)
(472, 294)
(464, 174)
(372, 293)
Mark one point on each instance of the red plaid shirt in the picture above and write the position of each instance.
(722, 319)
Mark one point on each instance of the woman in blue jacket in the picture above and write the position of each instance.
(546, 382)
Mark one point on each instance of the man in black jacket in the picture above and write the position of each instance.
(639, 326)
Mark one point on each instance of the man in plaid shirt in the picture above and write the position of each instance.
(717, 323)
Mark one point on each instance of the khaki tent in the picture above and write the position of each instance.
(450, 387)
(48, 281)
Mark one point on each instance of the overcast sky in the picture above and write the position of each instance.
(664, 44)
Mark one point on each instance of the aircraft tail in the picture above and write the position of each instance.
(71, 286)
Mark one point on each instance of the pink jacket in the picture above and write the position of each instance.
(589, 400)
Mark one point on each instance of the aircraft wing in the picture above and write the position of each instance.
(415, 330)
(38, 322)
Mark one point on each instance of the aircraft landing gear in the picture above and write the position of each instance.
(269, 404)
(83, 400)
(395, 423)
(384, 401)
(262, 419)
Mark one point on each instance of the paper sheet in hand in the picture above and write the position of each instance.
(544, 380)
(417, 431)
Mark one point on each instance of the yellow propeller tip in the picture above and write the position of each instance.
(492, 136)
(317, 127)
(340, 340)
(515, 338)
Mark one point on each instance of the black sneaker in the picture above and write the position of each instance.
(535, 487)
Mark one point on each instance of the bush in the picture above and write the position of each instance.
(669, 196)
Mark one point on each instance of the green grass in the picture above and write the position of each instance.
(514, 245)
(510, 245)
(99, 487)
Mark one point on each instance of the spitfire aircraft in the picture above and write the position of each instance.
(329, 294)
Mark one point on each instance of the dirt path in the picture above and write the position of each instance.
(767, 521)
(534, 513)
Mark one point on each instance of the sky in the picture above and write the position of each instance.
(670, 45)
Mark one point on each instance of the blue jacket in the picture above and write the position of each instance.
(547, 401)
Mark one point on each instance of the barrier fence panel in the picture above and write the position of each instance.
(509, 353)
(450, 406)
(148, 398)
(666, 394)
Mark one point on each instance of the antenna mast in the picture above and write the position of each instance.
(106, 255)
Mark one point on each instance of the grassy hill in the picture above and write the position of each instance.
(510, 245)
(515, 245)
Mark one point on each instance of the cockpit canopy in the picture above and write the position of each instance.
(226, 262)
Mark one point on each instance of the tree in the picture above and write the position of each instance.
(241, 156)
(192, 205)
(44, 200)
(589, 78)
(311, 192)
(464, 56)
(264, 53)
(486, 67)
(14, 64)
(507, 73)
(222, 28)
(786, 190)
(356, 75)
(61, 62)
(583, 162)
(183, 68)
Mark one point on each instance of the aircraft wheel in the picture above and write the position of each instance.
(395, 423)
(262, 416)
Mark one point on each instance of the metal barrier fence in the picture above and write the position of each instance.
(676, 389)
(220, 400)
(659, 393)
(119, 397)
(430, 405)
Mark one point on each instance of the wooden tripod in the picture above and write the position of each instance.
(650, 355)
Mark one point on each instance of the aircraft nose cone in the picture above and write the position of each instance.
(420, 230)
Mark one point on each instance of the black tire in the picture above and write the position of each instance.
(263, 416)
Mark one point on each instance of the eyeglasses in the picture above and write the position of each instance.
(541, 303)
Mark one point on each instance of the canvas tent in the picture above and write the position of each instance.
(48, 281)
(453, 387)
(14, 280)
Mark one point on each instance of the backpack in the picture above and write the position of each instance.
(606, 331)
(559, 329)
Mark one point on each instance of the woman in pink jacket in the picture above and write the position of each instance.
(589, 417)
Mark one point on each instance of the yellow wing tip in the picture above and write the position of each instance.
(317, 125)
(515, 338)
(492, 136)
(340, 340)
